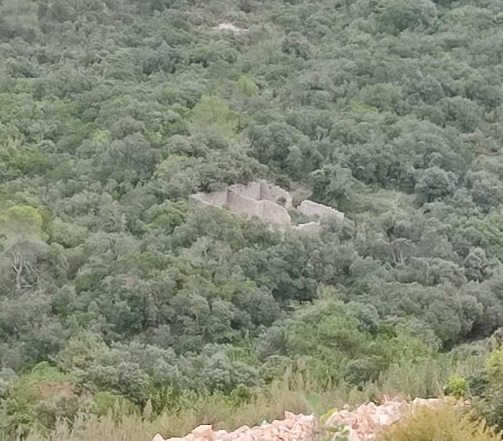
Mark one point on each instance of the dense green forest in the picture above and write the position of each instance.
(112, 112)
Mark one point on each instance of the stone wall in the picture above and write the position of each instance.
(253, 190)
(313, 209)
(275, 194)
(265, 201)
(273, 213)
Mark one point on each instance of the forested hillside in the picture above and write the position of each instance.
(112, 112)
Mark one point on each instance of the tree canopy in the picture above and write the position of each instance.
(113, 112)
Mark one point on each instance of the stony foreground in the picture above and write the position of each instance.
(359, 424)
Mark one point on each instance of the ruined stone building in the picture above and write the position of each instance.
(267, 202)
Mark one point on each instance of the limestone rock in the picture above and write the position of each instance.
(363, 423)
(360, 424)
(204, 431)
(293, 427)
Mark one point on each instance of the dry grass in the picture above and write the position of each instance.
(294, 393)
(443, 422)
(93, 428)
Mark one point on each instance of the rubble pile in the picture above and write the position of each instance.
(292, 427)
(360, 424)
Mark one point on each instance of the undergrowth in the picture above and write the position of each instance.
(294, 393)
(442, 422)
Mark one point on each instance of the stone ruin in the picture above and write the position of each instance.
(269, 203)
(227, 26)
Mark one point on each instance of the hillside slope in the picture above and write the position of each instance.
(113, 112)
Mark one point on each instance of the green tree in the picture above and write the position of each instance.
(400, 15)
(435, 183)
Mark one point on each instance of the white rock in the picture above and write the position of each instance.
(226, 26)
(310, 208)
(204, 431)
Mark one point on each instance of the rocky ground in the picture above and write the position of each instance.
(358, 424)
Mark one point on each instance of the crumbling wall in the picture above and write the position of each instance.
(267, 202)
(313, 209)
(275, 194)
(308, 228)
(226, 26)
(253, 190)
(217, 198)
(242, 205)
(273, 213)
(265, 210)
